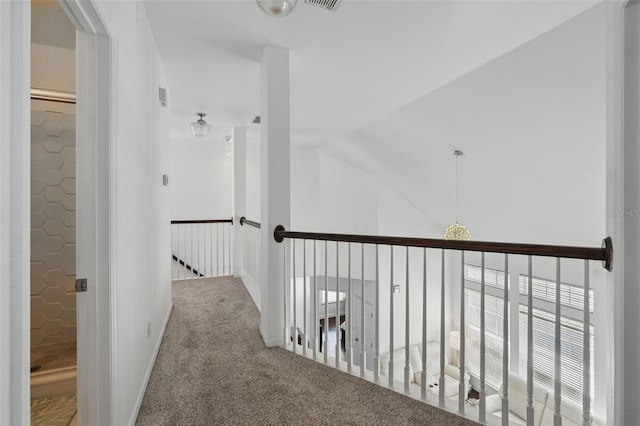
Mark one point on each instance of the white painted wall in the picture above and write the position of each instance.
(348, 197)
(531, 125)
(305, 197)
(253, 174)
(200, 178)
(53, 68)
(141, 294)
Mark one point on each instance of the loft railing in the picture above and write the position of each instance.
(250, 253)
(201, 248)
(244, 220)
(338, 287)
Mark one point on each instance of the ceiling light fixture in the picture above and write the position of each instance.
(200, 128)
(457, 231)
(277, 8)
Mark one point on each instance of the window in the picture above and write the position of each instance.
(571, 336)
(544, 293)
(493, 337)
(494, 309)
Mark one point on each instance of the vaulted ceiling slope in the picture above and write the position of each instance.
(531, 124)
(348, 68)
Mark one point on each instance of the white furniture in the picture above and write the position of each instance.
(451, 377)
(335, 303)
(543, 402)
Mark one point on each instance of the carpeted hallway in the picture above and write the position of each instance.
(213, 368)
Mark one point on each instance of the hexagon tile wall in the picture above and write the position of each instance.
(53, 228)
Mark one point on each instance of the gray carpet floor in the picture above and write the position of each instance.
(213, 368)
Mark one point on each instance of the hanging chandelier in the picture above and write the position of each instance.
(457, 231)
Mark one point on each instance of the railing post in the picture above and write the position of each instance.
(239, 197)
(274, 186)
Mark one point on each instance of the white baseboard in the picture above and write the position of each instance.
(147, 376)
(270, 343)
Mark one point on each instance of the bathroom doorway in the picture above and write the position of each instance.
(53, 217)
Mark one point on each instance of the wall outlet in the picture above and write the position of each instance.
(148, 329)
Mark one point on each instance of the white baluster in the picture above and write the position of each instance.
(482, 390)
(217, 250)
(376, 354)
(184, 254)
(337, 304)
(442, 319)
(191, 254)
(209, 233)
(325, 346)
(204, 250)
(530, 409)
(407, 365)
(286, 289)
(391, 322)
(505, 344)
(586, 351)
(462, 390)
(304, 297)
(294, 301)
(423, 386)
(363, 340)
(349, 321)
(316, 322)
(557, 387)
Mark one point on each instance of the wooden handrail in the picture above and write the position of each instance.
(603, 253)
(174, 222)
(244, 220)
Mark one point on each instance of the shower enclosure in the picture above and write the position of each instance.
(53, 244)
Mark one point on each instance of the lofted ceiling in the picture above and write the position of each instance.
(349, 68)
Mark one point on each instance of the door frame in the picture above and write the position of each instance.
(15, 226)
(95, 211)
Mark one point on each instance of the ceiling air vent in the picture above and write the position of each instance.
(256, 120)
(325, 4)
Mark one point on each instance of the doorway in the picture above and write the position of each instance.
(53, 340)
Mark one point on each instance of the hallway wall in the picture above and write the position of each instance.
(200, 178)
(141, 281)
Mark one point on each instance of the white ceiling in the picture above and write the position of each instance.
(348, 68)
(531, 124)
(50, 26)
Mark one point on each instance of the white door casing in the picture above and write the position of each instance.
(15, 82)
(94, 260)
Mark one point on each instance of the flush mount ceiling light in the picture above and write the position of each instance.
(200, 128)
(457, 231)
(277, 8)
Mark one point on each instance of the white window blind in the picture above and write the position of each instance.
(493, 324)
(571, 331)
(571, 295)
(544, 352)
(493, 337)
